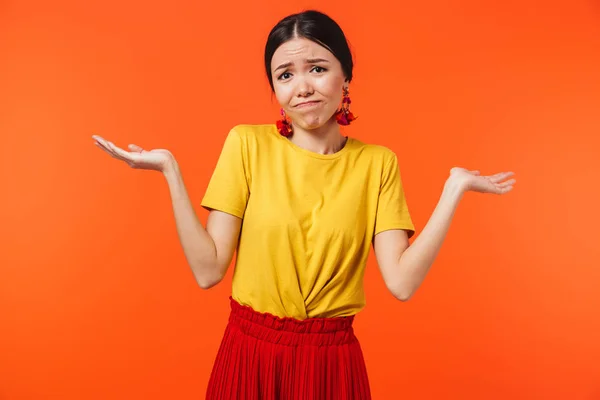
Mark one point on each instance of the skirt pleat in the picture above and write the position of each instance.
(265, 357)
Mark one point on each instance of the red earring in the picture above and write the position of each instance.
(284, 126)
(344, 116)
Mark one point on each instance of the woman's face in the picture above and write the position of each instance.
(308, 82)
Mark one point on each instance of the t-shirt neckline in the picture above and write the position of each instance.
(337, 154)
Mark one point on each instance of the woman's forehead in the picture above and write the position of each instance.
(299, 49)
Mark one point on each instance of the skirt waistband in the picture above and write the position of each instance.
(291, 331)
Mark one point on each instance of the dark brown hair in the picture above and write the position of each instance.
(312, 25)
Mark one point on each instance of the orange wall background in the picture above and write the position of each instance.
(96, 300)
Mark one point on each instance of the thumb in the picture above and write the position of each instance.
(135, 148)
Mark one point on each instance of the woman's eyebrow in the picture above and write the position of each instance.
(316, 60)
(307, 61)
(283, 66)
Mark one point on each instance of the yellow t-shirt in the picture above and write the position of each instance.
(308, 219)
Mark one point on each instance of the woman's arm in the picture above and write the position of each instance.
(208, 251)
(404, 267)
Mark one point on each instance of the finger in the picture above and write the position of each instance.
(502, 188)
(475, 172)
(104, 143)
(112, 150)
(124, 155)
(99, 139)
(135, 148)
(509, 182)
(500, 176)
(101, 147)
(106, 150)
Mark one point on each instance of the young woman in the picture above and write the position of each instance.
(312, 202)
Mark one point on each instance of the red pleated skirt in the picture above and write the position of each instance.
(266, 357)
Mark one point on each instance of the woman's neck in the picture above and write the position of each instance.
(324, 140)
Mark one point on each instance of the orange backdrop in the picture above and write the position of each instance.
(96, 299)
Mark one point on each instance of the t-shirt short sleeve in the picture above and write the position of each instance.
(228, 189)
(392, 210)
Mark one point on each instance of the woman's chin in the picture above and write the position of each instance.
(314, 123)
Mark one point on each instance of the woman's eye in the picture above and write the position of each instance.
(319, 69)
(285, 75)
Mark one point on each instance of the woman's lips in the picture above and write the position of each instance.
(307, 104)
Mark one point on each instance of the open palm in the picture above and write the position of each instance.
(137, 157)
(473, 181)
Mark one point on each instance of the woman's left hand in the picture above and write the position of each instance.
(473, 181)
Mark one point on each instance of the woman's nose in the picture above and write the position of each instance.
(304, 89)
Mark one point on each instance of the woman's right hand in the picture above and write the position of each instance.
(158, 159)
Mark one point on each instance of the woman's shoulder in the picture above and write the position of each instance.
(374, 150)
(254, 131)
(255, 136)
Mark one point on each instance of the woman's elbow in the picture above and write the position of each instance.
(207, 285)
(404, 296)
(208, 277)
(401, 293)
